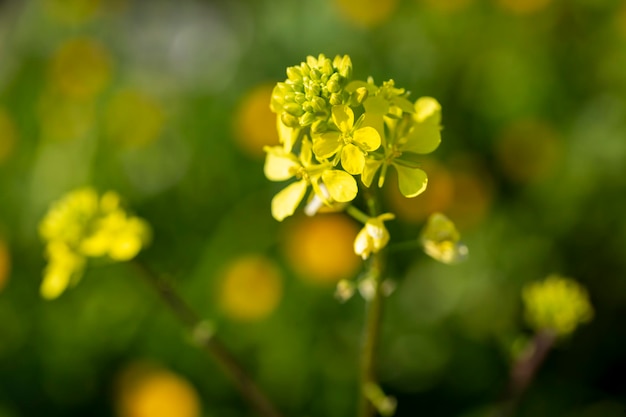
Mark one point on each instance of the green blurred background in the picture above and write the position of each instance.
(167, 103)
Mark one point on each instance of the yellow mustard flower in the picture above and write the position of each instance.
(441, 240)
(352, 140)
(556, 304)
(411, 134)
(373, 237)
(82, 225)
(338, 186)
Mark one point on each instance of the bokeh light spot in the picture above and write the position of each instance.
(320, 248)
(5, 264)
(366, 13)
(473, 192)
(133, 118)
(251, 288)
(254, 123)
(447, 6)
(80, 68)
(528, 150)
(62, 118)
(71, 11)
(8, 135)
(523, 7)
(148, 391)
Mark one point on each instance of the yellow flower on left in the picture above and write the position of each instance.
(84, 224)
(331, 185)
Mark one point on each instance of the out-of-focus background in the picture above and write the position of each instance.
(166, 102)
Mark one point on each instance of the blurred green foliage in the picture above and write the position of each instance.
(163, 102)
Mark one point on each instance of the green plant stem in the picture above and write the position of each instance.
(373, 315)
(208, 342)
(524, 371)
(357, 214)
(369, 347)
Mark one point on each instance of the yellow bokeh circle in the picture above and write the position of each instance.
(5, 264)
(63, 118)
(527, 151)
(8, 135)
(523, 7)
(251, 288)
(80, 68)
(473, 192)
(321, 248)
(254, 123)
(146, 391)
(366, 13)
(133, 118)
(447, 6)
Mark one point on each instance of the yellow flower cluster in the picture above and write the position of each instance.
(81, 225)
(333, 129)
(556, 304)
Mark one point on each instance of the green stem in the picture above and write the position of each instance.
(208, 342)
(373, 315)
(369, 347)
(357, 214)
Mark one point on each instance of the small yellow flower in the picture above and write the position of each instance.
(280, 165)
(351, 141)
(557, 304)
(373, 236)
(416, 133)
(441, 240)
(83, 225)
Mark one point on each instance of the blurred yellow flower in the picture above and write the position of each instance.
(5, 263)
(556, 304)
(133, 118)
(319, 248)
(367, 13)
(442, 241)
(251, 288)
(373, 237)
(254, 123)
(80, 68)
(8, 135)
(528, 150)
(523, 7)
(150, 391)
(84, 224)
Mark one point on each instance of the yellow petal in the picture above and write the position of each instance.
(412, 181)
(343, 117)
(327, 144)
(363, 244)
(427, 110)
(286, 135)
(440, 239)
(341, 186)
(279, 165)
(423, 138)
(369, 170)
(285, 202)
(352, 159)
(367, 138)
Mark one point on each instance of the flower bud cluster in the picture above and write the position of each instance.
(311, 89)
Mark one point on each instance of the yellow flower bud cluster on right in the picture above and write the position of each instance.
(81, 225)
(557, 304)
